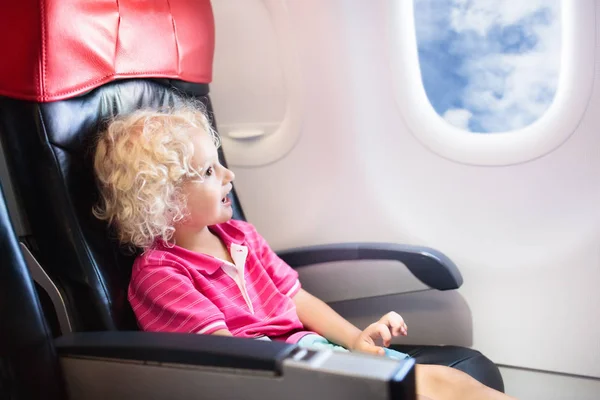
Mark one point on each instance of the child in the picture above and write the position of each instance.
(164, 190)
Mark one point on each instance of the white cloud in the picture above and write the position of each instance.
(481, 15)
(458, 117)
(505, 90)
(435, 14)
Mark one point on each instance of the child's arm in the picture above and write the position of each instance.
(318, 316)
(322, 319)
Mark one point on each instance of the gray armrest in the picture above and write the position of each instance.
(205, 350)
(430, 266)
(149, 365)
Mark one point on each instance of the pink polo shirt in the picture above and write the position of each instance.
(176, 290)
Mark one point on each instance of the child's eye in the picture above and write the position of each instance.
(209, 171)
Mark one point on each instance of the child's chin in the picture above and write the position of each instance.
(226, 217)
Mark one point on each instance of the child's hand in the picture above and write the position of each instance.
(391, 324)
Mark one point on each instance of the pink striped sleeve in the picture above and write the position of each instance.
(284, 276)
(164, 299)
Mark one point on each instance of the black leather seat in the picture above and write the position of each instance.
(48, 147)
(29, 366)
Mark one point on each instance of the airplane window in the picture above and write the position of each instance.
(489, 65)
(480, 82)
(492, 82)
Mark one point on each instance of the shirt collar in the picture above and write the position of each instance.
(226, 232)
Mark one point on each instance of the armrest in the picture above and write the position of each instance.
(430, 266)
(142, 365)
(199, 350)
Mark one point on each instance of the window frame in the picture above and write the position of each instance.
(546, 134)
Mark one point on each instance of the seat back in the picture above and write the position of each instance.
(49, 148)
(29, 366)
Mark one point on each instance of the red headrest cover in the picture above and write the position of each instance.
(55, 49)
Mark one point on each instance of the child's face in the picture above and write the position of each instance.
(207, 199)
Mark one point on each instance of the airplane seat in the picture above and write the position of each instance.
(48, 122)
(29, 366)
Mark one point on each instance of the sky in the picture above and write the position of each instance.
(489, 65)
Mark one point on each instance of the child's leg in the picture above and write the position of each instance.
(434, 382)
(444, 383)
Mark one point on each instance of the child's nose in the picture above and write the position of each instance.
(229, 175)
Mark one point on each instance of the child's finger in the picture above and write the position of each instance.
(381, 330)
(372, 349)
(394, 321)
(404, 329)
(365, 345)
(396, 326)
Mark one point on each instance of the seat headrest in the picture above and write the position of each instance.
(56, 49)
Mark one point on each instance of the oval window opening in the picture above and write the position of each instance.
(489, 66)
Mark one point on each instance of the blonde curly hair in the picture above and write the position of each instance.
(141, 161)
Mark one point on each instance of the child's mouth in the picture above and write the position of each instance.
(225, 201)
